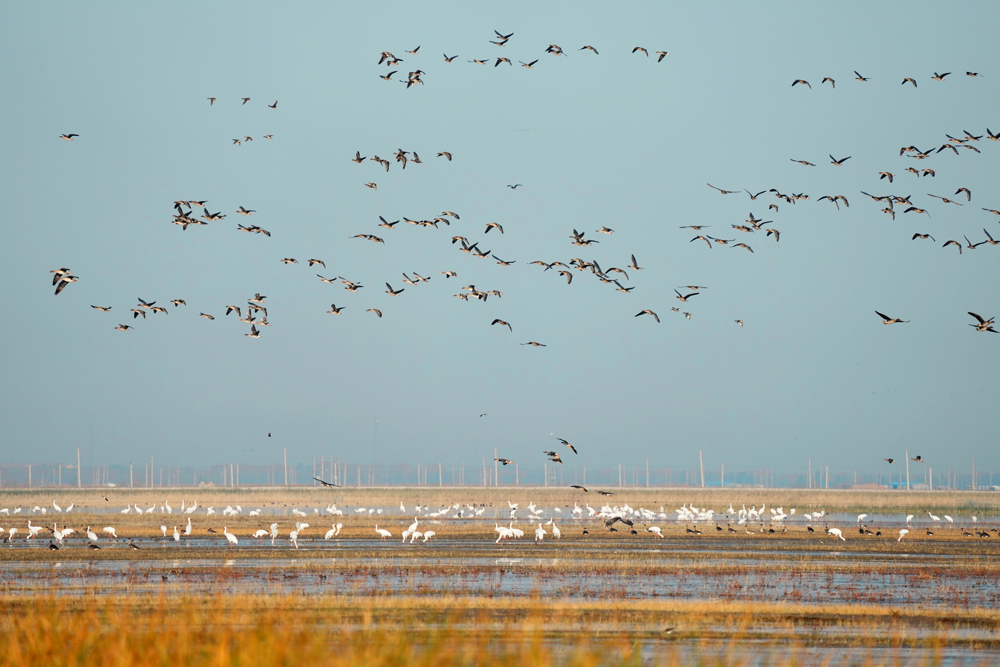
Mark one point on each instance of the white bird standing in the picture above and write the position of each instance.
(110, 530)
(428, 534)
(382, 532)
(91, 535)
(187, 531)
(903, 532)
(177, 535)
(861, 517)
(909, 518)
(933, 518)
(836, 533)
(539, 533)
(230, 537)
(164, 529)
(56, 507)
(166, 506)
(294, 536)
(274, 533)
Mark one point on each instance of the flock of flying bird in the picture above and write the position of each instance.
(254, 312)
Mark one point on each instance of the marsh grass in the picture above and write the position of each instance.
(451, 630)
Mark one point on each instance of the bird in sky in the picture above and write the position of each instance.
(534, 344)
(273, 106)
(374, 310)
(589, 48)
(649, 312)
(802, 81)
(859, 77)
(889, 460)
(504, 461)
(245, 100)
(725, 192)
(503, 324)
(578, 486)
(833, 84)
(567, 444)
(325, 484)
(890, 320)
(639, 48)
(918, 458)
(983, 323)
(940, 77)
(68, 137)
(662, 54)
(835, 161)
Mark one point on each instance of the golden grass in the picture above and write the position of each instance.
(448, 630)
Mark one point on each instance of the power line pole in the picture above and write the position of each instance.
(907, 453)
(701, 462)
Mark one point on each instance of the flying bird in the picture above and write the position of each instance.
(502, 323)
(68, 137)
(566, 443)
(649, 312)
(802, 81)
(839, 162)
(890, 320)
(725, 192)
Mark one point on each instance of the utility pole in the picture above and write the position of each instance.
(29, 475)
(907, 454)
(701, 462)
(285, 450)
(930, 478)
(151, 478)
(517, 475)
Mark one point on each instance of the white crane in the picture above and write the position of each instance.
(177, 535)
(655, 530)
(539, 533)
(91, 535)
(428, 534)
(903, 532)
(191, 509)
(110, 530)
(164, 529)
(294, 537)
(260, 534)
(836, 533)
(909, 518)
(862, 517)
(70, 508)
(33, 530)
(556, 533)
(933, 518)
(950, 520)
(383, 533)
(58, 534)
(166, 506)
(274, 533)
(56, 507)
(230, 537)
(504, 532)
(187, 531)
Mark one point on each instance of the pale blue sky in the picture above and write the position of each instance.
(614, 139)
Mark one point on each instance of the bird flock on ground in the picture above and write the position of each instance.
(635, 521)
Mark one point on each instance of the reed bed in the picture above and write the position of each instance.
(448, 630)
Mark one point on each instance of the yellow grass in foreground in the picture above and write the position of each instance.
(286, 630)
